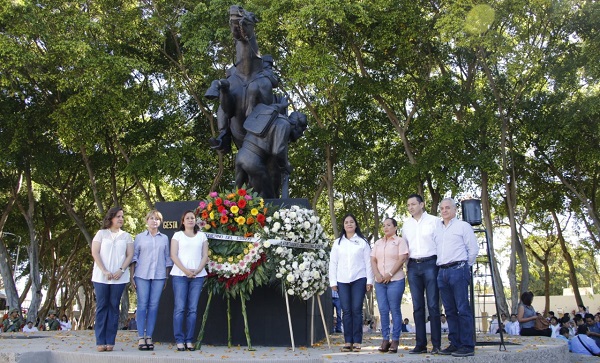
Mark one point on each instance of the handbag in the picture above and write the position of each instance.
(541, 323)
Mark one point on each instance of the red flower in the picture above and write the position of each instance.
(224, 219)
(241, 203)
(218, 201)
(241, 192)
(204, 214)
(260, 218)
(221, 208)
(249, 221)
(232, 228)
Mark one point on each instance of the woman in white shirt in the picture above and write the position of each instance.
(351, 275)
(65, 324)
(189, 252)
(112, 250)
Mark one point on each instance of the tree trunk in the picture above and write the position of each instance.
(568, 259)
(7, 274)
(329, 181)
(32, 250)
(92, 177)
(487, 218)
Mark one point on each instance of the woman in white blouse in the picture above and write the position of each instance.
(112, 250)
(189, 252)
(351, 275)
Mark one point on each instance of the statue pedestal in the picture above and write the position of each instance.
(266, 310)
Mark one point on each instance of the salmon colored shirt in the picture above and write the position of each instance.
(387, 253)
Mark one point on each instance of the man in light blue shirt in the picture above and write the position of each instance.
(457, 250)
(582, 344)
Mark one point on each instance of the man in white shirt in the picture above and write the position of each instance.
(422, 273)
(444, 323)
(457, 250)
(29, 328)
(512, 327)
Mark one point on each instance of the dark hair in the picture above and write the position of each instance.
(444, 315)
(394, 223)
(588, 316)
(582, 329)
(417, 196)
(527, 298)
(511, 315)
(112, 213)
(551, 313)
(357, 230)
(66, 317)
(554, 318)
(563, 330)
(182, 226)
(577, 318)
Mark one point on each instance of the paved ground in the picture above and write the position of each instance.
(78, 347)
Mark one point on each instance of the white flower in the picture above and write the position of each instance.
(302, 266)
(290, 278)
(288, 227)
(276, 215)
(267, 244)
(276, 227)
(306, 224)
(278, 275)
(290, 292)
(279, 250)
(266, 229)
(292, 215)
(282, 262)
(295, 265)
(305, 284)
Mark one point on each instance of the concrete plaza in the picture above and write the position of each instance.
(79, 347)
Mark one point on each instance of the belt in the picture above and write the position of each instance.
(424, 259)
(452, 264)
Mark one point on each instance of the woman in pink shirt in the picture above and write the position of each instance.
(387, 261)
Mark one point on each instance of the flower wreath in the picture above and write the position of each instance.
(235, 266)
(303, 271)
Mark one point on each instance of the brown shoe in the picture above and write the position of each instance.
(385, 346)
(394, 346)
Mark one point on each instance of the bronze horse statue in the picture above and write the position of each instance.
(249, 82)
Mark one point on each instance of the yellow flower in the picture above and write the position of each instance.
(250, 245)
(245, 251)
(207, 226)
(212, 215)
(220, 260)
(230, 259)
(240, 220)
(262, 202)
(209, 252)
(254, 211)
(239, 257)
(235, 209)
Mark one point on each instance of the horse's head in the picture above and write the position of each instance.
(241, 23)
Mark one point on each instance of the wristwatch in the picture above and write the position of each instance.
(120, 269)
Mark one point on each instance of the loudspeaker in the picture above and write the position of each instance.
(471, 211)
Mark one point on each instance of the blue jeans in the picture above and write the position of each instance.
(108, 298)
(454, 289)
(389, 298)
(148, 296)
(337, 306)
(422, 279)
(351, 296)
(186, 293)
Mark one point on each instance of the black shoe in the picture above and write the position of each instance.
(435, 350)
(449, 350)
(418, 350)
(180, 348)
(463, 352)
(190, 347)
